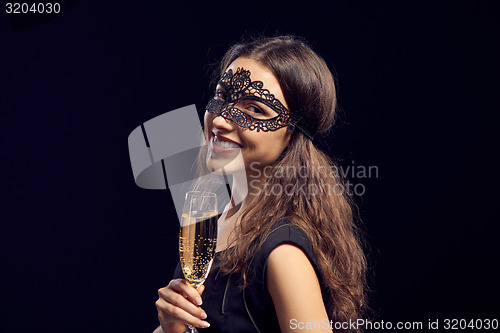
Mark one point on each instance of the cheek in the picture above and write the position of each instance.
(207, 119)
(268, 145)
(208, 124)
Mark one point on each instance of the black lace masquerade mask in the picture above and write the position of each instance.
(238, 87)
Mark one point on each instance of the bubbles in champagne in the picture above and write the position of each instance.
(197, 242)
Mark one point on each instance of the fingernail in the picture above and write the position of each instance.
(203, 324)
(203, 315)
(198, 301)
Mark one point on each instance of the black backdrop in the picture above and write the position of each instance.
(83, 249)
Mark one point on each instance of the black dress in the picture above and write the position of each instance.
(232, 309)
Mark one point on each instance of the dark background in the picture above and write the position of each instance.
(83, 249)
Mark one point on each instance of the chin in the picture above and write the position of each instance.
(227, 165)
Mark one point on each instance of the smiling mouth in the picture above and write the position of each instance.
(225, 144)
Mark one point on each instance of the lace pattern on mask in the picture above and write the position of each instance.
(239, 87)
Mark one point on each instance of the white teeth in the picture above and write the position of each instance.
(225, 144)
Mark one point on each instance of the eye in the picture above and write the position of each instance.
(220, 94)
(254, 109)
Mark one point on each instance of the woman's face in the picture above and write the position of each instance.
(226, 139)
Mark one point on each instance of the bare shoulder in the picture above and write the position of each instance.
(288, 264)
(289, 258)
(289, 253)
(294, 288)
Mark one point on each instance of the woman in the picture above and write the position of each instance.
(288, 255)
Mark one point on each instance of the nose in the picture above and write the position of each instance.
(222, 123)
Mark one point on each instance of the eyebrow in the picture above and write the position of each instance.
(256, 96)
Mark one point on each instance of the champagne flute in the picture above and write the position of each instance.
(198, 237)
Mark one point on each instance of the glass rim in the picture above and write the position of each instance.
(203, 193)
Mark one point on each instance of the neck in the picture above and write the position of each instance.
(239, 194)
(244, 188)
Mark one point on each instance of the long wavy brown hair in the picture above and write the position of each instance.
(325, 214)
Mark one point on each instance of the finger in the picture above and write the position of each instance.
(182, 287)
(179, 300)
(201, 289)
(168, 312)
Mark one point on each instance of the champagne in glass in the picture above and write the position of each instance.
(198, 237)
(197, 242)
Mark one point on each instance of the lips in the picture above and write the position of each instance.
(225, 142)
(223, 145)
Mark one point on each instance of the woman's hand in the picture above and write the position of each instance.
(178, 305)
